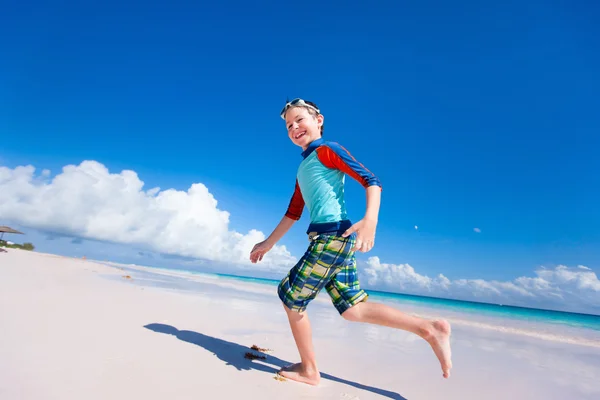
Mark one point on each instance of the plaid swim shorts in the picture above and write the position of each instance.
(328, 262)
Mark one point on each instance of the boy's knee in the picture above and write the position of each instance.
(353, 314)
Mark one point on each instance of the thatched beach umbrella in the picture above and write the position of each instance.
(6, 229)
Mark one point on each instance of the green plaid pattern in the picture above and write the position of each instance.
(328, 262)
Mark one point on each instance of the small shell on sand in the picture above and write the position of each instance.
(278, 377)
(255, 347)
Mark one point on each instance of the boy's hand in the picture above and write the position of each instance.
(259, 250)
(365, 236)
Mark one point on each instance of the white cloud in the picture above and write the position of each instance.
(88, 201)
(477, 230)
(564, 288)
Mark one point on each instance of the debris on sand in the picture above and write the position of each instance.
(251, 356)
(255, 347)
(126, 276)
(278, 377)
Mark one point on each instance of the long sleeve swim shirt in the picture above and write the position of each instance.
(320, 183)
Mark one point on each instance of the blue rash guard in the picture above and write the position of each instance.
(320, 186)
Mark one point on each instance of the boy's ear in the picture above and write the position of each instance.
(320, 119)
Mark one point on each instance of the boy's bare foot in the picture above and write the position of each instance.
(438, 336)
(297, 372)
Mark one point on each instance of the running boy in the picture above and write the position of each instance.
(329, 261)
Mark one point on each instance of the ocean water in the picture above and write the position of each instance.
(569, 319)
(559, 326)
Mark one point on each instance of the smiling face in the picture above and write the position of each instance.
(302, 126)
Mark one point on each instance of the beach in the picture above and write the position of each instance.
(79, 329)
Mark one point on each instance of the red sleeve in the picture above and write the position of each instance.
(296, 205)
(336, 157)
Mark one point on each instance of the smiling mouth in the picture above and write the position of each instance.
(298, 136)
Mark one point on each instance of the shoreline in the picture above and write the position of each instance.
(519, 325)
(380, 293)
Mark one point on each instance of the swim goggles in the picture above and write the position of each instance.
(298, 102)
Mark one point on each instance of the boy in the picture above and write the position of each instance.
(329, 261)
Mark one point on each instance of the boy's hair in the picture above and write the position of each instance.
(311, 111)
(314, 113)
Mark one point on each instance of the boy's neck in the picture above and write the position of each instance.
(311, 146)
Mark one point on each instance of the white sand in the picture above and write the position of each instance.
(74, 329)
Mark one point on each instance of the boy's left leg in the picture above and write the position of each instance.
(435, 332)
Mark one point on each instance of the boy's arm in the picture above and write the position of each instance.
(260, 249)
(280, 230)
(292, 214)
(294, 210)
(335, 156)
(365, 228)
(373, 203)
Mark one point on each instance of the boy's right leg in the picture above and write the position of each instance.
(302, 284)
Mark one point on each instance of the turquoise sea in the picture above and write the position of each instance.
(570, 319)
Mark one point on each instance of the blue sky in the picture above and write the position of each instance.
(472, 115)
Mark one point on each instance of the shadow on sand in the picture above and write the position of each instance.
(233, 354)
